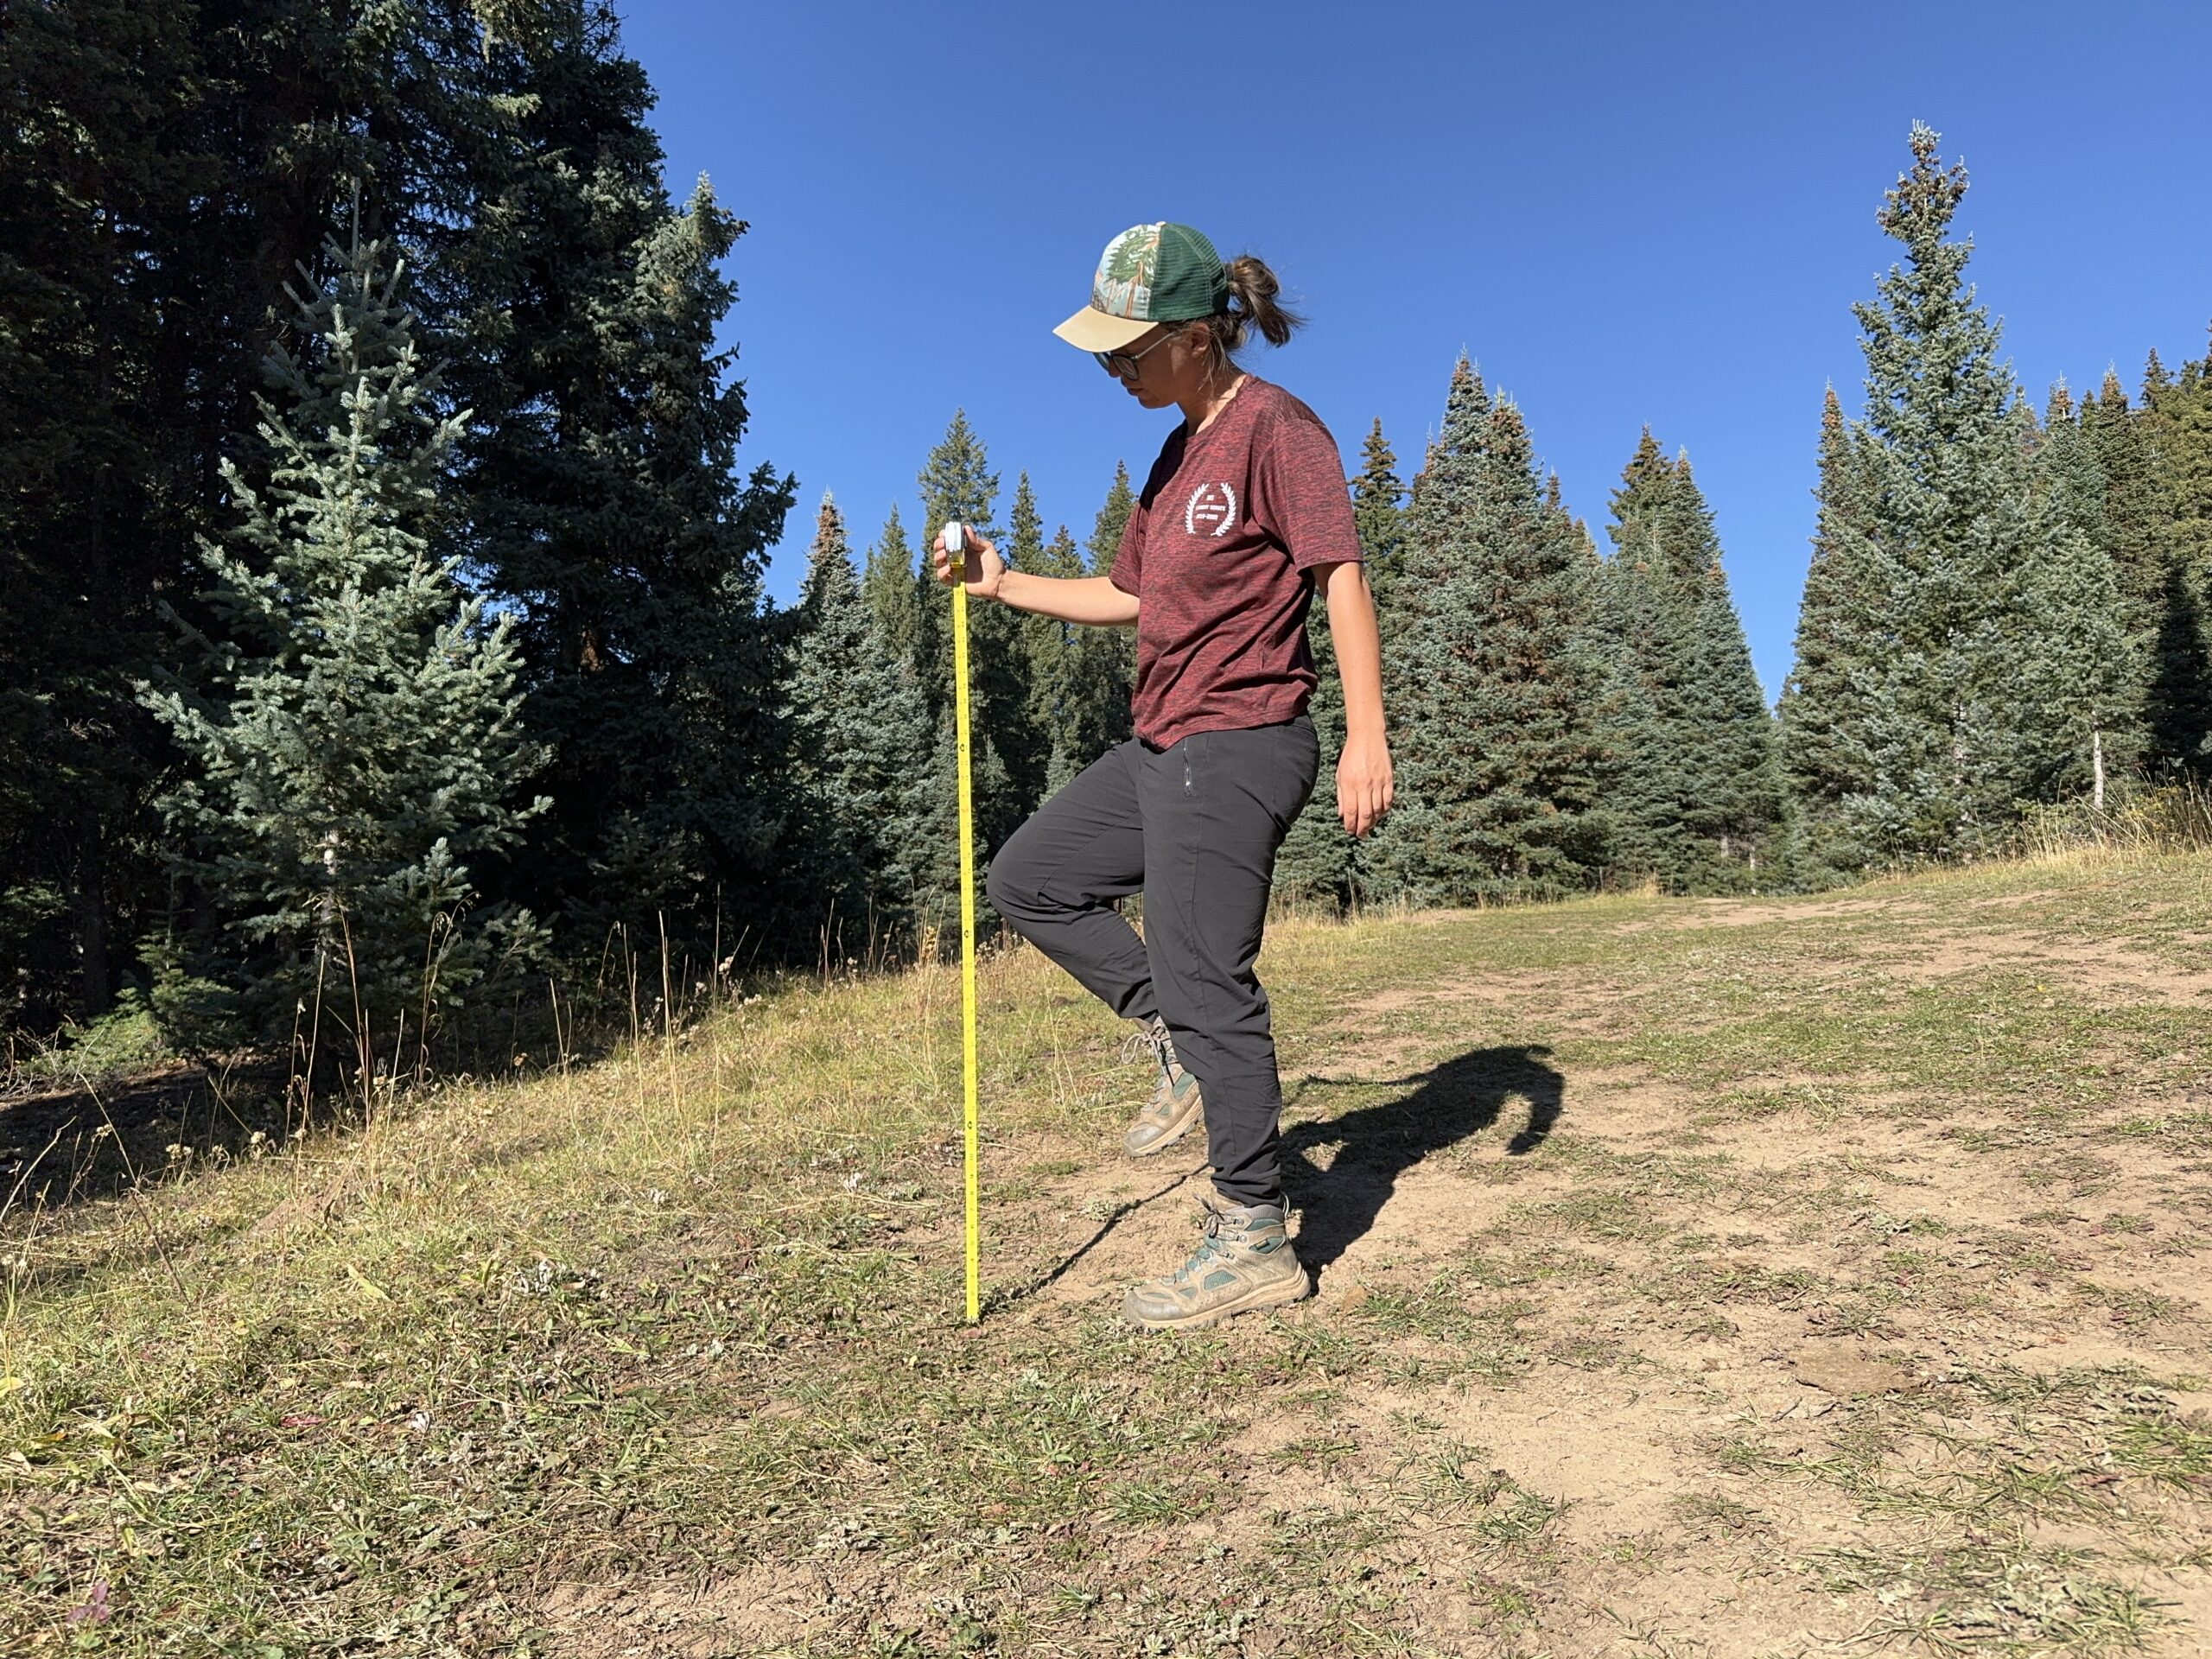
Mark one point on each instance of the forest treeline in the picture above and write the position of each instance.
(382, 619)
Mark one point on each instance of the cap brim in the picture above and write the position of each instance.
(1093, 330)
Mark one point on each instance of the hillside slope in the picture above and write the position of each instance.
(1760, 1277)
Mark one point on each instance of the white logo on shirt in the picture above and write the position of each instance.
(1211, 510)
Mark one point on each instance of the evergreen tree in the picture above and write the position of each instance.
(1738, 814)
(2090, 673)
(957, 484)
(1694, 785)
(1113, 518)
(2178, 418)
(1008, 759)
(1497, 754)
(2181, 412)
(1638, 634)
(1104, 673)
(1942, 743)
(1642, 629)
(606, 514)
(162, 170)
(357, 750)
(2135, 521)
(1049, 645)
(1378, 511)
(2134, 526)
(937, 840)
(860, 754)
(894, 599)
(1837, 619)
(1060, 704)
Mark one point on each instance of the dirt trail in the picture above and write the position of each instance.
(1666, 1381)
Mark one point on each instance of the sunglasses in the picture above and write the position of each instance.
(1124, 364)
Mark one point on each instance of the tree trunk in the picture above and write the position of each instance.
(2097, 770)
(90, 902)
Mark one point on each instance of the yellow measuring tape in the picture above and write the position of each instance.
(955, 538)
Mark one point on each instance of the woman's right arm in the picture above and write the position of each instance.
(1092, 600)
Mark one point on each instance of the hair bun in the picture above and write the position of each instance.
(1252, 304)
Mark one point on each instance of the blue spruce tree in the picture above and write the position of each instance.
(1955, 718)
(354, 738)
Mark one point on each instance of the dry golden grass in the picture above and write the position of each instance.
(1717, 1277)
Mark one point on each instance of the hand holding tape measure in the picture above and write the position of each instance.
(972, 559)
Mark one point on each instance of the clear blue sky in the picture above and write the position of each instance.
(1629, 215)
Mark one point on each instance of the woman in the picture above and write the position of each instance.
(1244, 517)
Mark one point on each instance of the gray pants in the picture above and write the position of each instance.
(1195, 827)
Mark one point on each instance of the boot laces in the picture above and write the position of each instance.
(1153, 1041)
(1211, 1249)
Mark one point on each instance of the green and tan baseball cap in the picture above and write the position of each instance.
(1149, 274)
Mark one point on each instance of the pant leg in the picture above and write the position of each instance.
(1056, 878)
(1216, 808)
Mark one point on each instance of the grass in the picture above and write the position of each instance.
(662, 1354)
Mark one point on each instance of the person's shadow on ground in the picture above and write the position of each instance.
(1375, 1144)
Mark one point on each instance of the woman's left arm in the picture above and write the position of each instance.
(1363, 768)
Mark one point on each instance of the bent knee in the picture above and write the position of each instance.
(1005, 897)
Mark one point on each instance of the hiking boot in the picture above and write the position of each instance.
(1244, 1262)
(1175, 1104)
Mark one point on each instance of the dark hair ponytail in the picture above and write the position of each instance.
(1252, 307)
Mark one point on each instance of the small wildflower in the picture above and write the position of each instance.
(95, 1607)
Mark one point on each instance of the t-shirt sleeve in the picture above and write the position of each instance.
(1301, 498)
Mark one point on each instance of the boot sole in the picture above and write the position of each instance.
(1261, 1296)
(1190, 1120)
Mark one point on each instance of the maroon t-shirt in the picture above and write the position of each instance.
(1218, 549)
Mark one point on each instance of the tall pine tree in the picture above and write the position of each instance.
(1103, 674)
(1962, 561)
(1009, 761)
(1049, 645)
(1060, 702)
(2090, 673)
(1498, 755)
(894, 601)
(1822, 699)
(606, 512)
(163, 169)
(2133, 525)
(1378, 511)
(861, 755)
(1693, 788)
(2178, 423)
